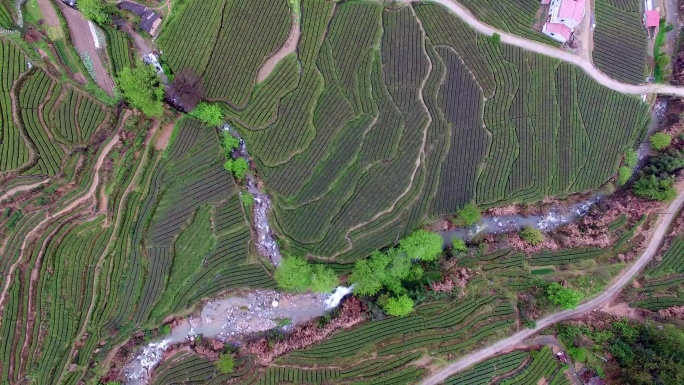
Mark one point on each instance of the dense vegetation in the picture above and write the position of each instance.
(640, 353)
(656, 179)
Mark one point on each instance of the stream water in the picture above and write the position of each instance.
(231, 318)
(555, 217)
(265, 242)
(560, 215)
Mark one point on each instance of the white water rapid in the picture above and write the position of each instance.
(231, 318)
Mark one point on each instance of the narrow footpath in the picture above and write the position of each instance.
(664, 222)
(551, 51)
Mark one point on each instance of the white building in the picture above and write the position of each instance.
(568, 12)
(564, 17)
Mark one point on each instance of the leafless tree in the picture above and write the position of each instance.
(186, 90)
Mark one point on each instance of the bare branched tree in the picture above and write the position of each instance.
(186, 90)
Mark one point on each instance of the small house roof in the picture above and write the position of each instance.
(148, 19)
(652, 18)
(571, 9)
(136, 8)
(558, 29)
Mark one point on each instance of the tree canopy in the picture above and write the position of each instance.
(142, 89)
(225, 364)
(239, 167)
(95, 10)
(531, 235)
(390, 269)
(470, 214)
(648, 354)
(459, 244)
(422, 245)
(399, 306)
(209, 114)
(660, 140)
(650, 187)
(296, 274)
(566, 298)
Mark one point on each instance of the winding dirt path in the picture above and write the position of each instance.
(25, 187)
(73, 205)
(287, 48)
(509, 343)
(547, 50)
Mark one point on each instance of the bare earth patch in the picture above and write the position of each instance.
(622, 310)
(164, 137)
(287, 48)
(49, 13)
(83, 40)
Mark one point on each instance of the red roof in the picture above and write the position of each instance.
(571, 9)
(558, 29)
(652, 19)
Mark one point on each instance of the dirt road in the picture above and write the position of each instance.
(84, 41)
(22, 188)
(140, 43)
(287, 48)
(49, 13)
(557, 53)
(663, 225)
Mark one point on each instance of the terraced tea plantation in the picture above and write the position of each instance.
(384, 117)
(662, 283)
(620, 40)
(388, 116)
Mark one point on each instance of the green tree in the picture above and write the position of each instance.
(142, 89)
(470, 214)
(648, 354)
(323, 279)
(228, 165)
(578, 354)
(663, 60)
(399, 306)
(165, 329)
(660, 140)
(422, 245)
(496, 39)
(230, 142)
(624, 173)
(631, 158)
(240, 168)
(247, 199)
(95, 10)
(459, 244)
(565, 297)
(369, 274)
(650, 187)
(209, 114)
(294, 274)
(225, 364)
(531, 235)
